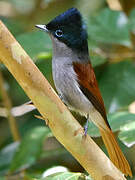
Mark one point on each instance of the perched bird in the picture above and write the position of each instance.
(75, 79)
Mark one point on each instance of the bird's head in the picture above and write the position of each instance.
(69, 29)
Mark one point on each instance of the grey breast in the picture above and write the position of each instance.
(65, 78)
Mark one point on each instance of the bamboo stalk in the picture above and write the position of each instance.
(8, 105)
(63, 125)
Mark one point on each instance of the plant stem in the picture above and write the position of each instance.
(8, 106)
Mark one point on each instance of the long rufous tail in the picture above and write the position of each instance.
(114, 151)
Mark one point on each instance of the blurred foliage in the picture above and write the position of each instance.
(67, 176)
(26, 155)
(112, 49)
(109, 27)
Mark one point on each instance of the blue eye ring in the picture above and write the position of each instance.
(59, 33)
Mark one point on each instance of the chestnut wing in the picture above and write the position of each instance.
(88, 85)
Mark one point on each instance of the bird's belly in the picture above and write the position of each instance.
(69, 91)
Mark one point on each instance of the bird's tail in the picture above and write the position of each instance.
(114, 151)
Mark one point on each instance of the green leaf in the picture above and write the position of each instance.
(30, 148)
(132, 21)
(109, 27)
(117, 85)
(6, 156)
(67, 176)
(121, 121)
(97, 60)
(3, 178)
(15, 26)
(35, 43)
(45, 66)
(127, 134)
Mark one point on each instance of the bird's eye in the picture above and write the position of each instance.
(59, 33)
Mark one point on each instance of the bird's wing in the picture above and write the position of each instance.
(88, 85)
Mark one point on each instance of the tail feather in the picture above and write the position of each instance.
(114, 151)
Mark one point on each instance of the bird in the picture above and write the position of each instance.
(75, 80)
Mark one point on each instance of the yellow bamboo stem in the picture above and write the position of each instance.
(63, 125)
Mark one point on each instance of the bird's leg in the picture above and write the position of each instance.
(86, 125)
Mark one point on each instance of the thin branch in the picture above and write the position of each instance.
(17, 110)
(8, 105)
(63, 125)
(115, 55)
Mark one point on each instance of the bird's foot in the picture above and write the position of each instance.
(86, 126)
(85, 130)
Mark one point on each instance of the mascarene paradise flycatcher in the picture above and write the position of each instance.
(75, 79)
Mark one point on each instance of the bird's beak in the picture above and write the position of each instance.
(42, 27)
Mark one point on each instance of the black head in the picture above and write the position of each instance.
(69, 28)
